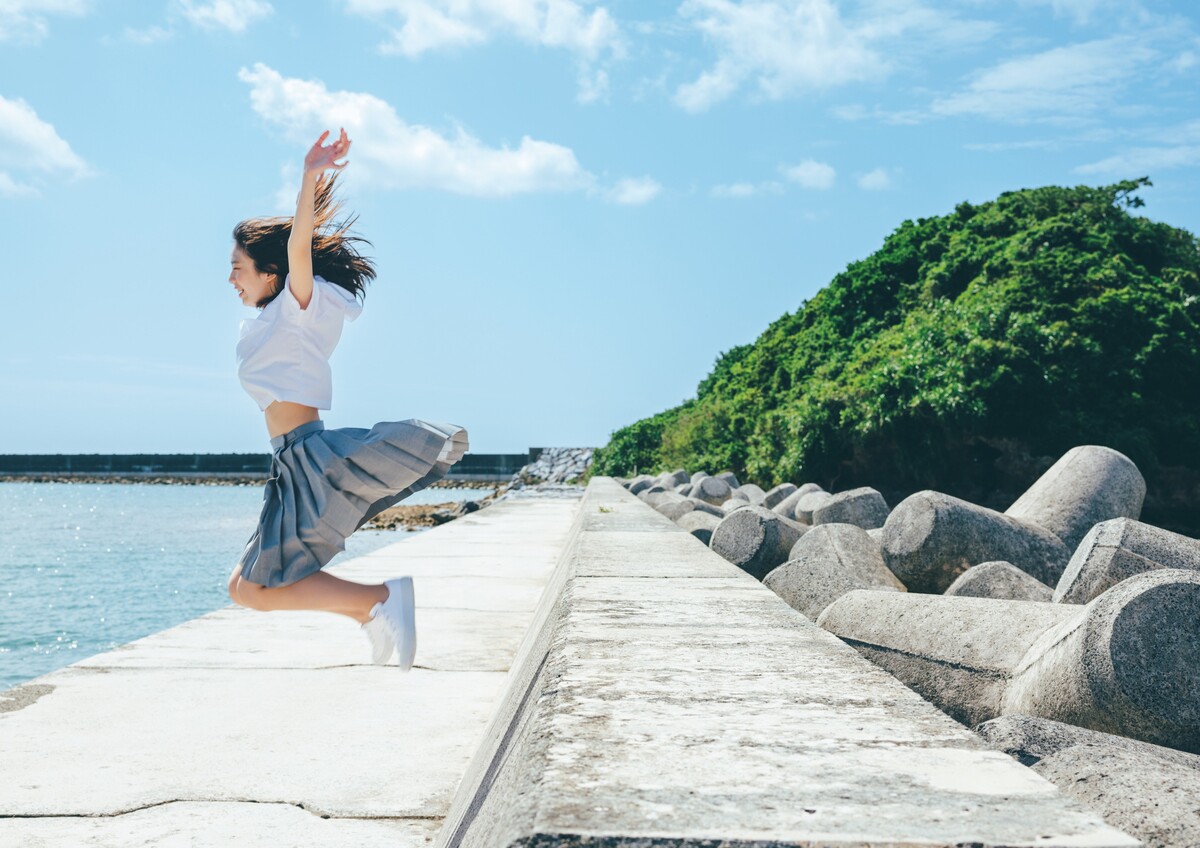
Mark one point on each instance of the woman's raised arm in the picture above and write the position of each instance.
(320, 158)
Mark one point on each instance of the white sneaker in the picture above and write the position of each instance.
(382, 643)
(398, 614)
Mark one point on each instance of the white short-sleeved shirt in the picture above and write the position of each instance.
(283, 354)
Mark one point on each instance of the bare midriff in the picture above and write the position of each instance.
(284, 415)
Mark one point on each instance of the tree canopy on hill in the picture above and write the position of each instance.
(1044, 319)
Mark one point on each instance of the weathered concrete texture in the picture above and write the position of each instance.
(675, 509)
(732, 504)
(729, 478)
(1149, 791)
(864, 507)
(654, 710)
(930, 538)
(1125, 663)
(777, 495)
(787, 506)
(711, 490)
(756, 539)
(808, 504)
(1001, 580)
(699, 524)
(262, 725)
(640, 484)
(678, 477)
(750, 492)
(1029, 740)
(699, 475)
(1087, 485)
(1120, 548)
(959, 653)
(826, 563)
(704, 506)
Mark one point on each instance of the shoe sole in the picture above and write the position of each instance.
(407, 646)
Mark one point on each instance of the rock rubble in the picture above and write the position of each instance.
(557, 465)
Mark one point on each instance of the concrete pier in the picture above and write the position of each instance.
(273, 729)
(588, 673)
(665, 697)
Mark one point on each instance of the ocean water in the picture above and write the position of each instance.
(85, 567)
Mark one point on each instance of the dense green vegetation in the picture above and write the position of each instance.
(963, 355)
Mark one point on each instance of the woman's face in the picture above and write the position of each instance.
(250, 284)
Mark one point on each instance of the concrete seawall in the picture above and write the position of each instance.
(588, 673)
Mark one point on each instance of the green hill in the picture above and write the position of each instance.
(964, 355)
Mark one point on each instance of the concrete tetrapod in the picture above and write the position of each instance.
(930, 538)
(732, 504)
(699, 524)
(777, 495)
(1124, 663)
(808, 503)
(787, 506)
(863, 507)
(826, 563)
(1147, 790)
(1116, 549)
(671, 479)
(755, 539)
(711, 490)
(750, 492)
(999, 580)
(730, 480)
(1087, 485)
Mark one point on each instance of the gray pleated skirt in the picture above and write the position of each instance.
(325, 484)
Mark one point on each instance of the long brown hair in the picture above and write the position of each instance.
(334, 254)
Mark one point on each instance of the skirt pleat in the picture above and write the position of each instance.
(325, 484)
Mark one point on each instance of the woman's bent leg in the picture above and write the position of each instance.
(320, 591)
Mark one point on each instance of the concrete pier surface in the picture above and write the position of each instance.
(663, 696)
(273, 729)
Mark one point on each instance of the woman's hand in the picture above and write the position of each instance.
(322, 157)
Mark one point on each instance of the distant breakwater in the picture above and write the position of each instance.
(188, 479)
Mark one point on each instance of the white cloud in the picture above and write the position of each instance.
(876, 180)
(231, 15)
(435, 24)
(391, 153)
(593, 86)
(788, 47)
(811, 174)
(738, 191)
(29, 144)
(11, 188)
(633, 191)
(1142, 161)
(26, 20)
(1063, 82)
(149, 35)
(1084, 11)
(859, 112)
(420, 26)
(783, 49)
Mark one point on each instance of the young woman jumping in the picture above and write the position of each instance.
(306, 277)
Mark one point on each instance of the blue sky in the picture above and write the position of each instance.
(574, 206)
